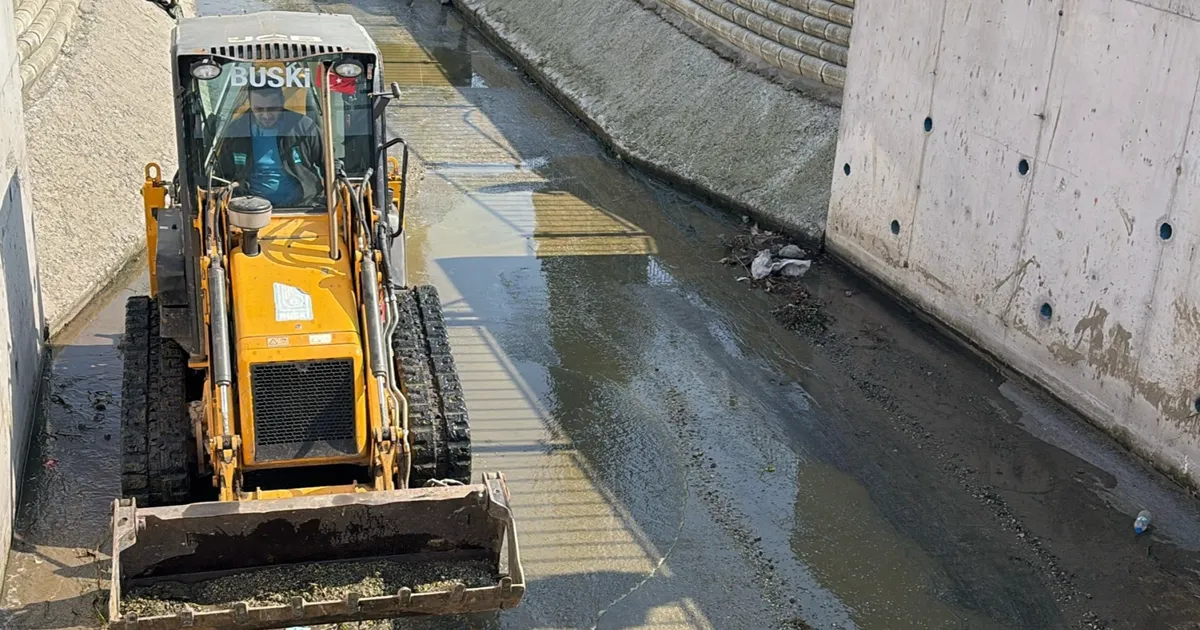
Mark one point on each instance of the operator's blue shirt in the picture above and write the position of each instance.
(268, 179)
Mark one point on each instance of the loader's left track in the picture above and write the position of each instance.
(157, 460)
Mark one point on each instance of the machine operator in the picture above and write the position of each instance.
(273, 152)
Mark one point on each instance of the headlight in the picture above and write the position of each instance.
(205, 70)
(348, 69)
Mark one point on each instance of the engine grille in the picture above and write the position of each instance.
(303, 409)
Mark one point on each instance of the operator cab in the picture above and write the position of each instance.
(258, 123)
(251, 104)
(256, 96)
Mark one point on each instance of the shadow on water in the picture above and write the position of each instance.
(972, 520)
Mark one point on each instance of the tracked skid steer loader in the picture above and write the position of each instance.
(295, 443)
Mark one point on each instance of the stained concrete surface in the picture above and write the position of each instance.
(21, 323)
(92, 123)
(676, 457)
(998, 172)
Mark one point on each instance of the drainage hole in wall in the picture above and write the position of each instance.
(1023, 166)
(1197, 405)
(928, 125)
(846, 169)
(1046, 311)
(1165, 231)
(895, 227)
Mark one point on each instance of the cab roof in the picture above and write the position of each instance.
(256, 35)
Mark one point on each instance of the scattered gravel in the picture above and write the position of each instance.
(314, 582)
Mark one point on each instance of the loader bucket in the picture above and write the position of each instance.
(239, 564)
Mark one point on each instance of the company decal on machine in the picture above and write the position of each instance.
(276, 76)
(275, 37)
(292, 304)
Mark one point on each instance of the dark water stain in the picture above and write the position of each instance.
(61, 535)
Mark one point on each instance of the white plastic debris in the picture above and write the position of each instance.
(787, 251)
(792, 268)
(763, 266)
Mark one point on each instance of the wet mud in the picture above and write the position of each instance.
(684, 449)
(316, 582)
(57, 569)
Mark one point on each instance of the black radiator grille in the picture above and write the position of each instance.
(303, 409)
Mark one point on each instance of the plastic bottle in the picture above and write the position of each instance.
(1142, 523)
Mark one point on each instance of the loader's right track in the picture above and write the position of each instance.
(156, 467)
(437, 414)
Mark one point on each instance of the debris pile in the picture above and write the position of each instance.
(775, 265)
(314, 582)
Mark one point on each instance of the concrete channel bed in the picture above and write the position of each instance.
(707, 467)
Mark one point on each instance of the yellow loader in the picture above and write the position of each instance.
(289, 402)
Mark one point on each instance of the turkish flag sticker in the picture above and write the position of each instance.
(338, 83)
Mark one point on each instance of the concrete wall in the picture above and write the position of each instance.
(1063, 270)
(671, 105)
(20, 306)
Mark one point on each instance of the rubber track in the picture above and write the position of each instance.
(154, 421)
(135, 351)
(167, 423)
(437, 412)
(409, 351)
(452, 408)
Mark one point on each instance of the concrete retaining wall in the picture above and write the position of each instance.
(1031, 182)
(807, 38)
(101, 113)
(672, 106)
(20, 306)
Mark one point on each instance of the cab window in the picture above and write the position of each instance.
(260, 124)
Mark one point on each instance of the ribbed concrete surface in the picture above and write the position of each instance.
(809, 38)
(42, 27)
(673, 106)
